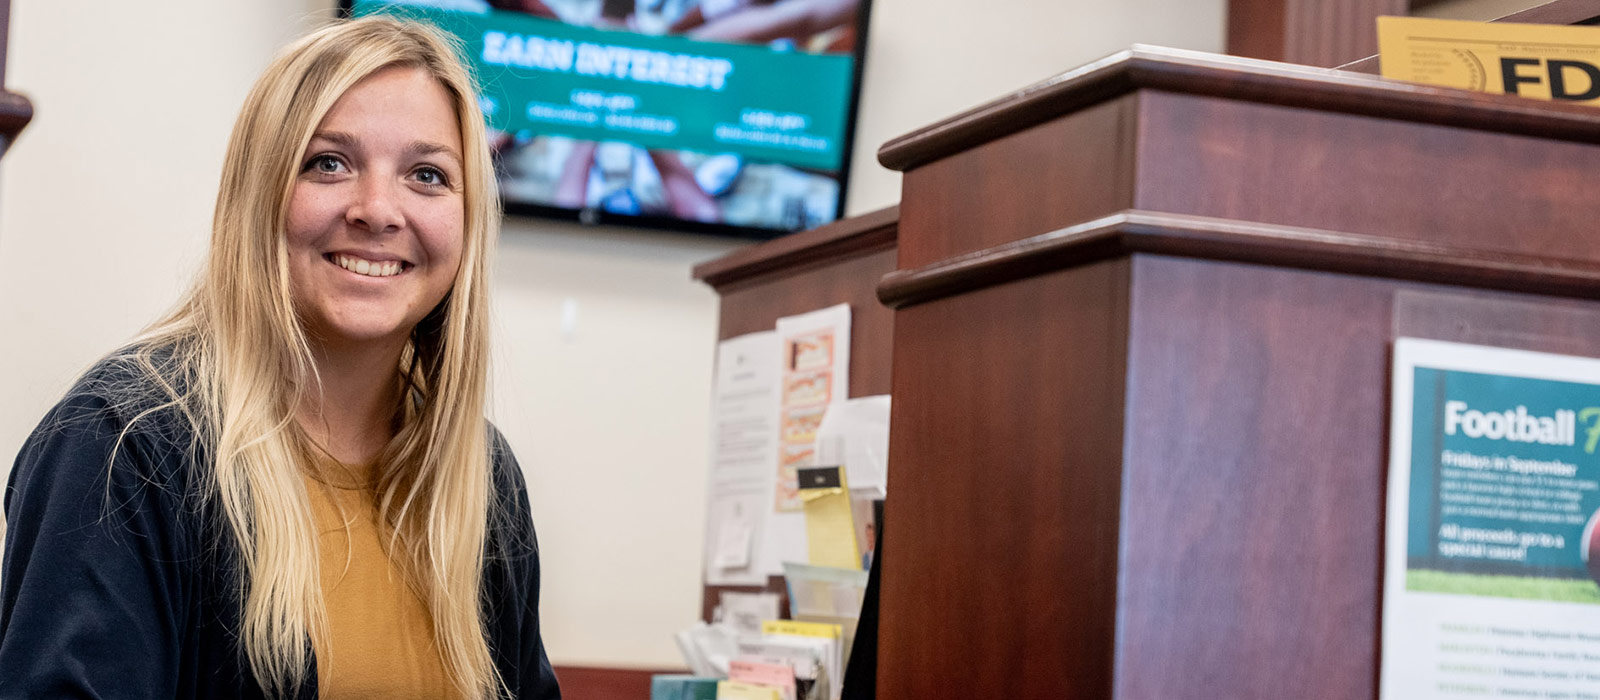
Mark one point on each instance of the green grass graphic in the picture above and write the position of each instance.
(1526, 587)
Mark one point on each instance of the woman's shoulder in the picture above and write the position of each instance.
(99, 515)
(505, 472)
(511, 516)
(502, 461)
(125, 402)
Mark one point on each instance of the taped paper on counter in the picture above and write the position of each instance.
(744, 446)
(735, 534)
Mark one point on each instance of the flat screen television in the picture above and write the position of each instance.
(731, 117)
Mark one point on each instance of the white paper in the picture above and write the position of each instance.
(803, 653)
(746, 611)
(784, 540)
(748, 538)
(855, 434)
(708, 648)
(1450, 629)
(743, 459)
(733, 542)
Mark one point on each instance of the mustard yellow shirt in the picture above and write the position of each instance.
(381, 642)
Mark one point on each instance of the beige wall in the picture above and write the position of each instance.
(604, 344)
(930, 59)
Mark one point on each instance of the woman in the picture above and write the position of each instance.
(287, 487)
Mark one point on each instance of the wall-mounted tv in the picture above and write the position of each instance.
(732, 117)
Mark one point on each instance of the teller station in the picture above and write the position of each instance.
(1147, 326)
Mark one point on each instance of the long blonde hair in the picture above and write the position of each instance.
(234, 361)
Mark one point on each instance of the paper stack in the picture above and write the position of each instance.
(708, 648)
(780, 660)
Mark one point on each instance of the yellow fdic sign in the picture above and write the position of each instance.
(1542, 61)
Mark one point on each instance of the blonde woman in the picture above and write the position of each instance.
(286, 487)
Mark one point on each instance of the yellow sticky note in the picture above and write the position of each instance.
(734, 690)
(796, 628)
(1542, 61)
(830, 526)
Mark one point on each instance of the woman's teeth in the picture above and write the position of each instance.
(367, 267)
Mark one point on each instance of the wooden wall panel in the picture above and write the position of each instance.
(596, 683)
(1092, 176)
(1484, 190)
(1257, 28)
(1557, 12)
(1142, 455)
(1343, 33)
(1000, 568)
(1255, 473)
(1323, 33)
(1254, 482)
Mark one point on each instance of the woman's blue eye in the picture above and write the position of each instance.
(430, 176)
(324, 164)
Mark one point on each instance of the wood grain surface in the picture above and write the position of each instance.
(1000, 571)
(1143, 320)
(602, 683)
(1312, 32)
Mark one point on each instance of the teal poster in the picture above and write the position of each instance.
(1504, 481)
(1490, 554)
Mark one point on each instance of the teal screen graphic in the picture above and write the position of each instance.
(625, 108)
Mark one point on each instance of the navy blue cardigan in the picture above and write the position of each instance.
(120, 582)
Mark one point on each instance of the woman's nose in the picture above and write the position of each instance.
(376, 206)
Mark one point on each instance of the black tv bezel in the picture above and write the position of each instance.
(593, 216)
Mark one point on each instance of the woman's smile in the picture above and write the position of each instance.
(367, 266)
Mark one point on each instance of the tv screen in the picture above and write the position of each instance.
(722, 116)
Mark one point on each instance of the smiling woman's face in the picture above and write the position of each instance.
(376, 219)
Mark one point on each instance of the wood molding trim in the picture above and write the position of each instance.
(802, 251)
(1266, 82)
(598, 683)
(1133, 231)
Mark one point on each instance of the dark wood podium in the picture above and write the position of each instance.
(1141, 345)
